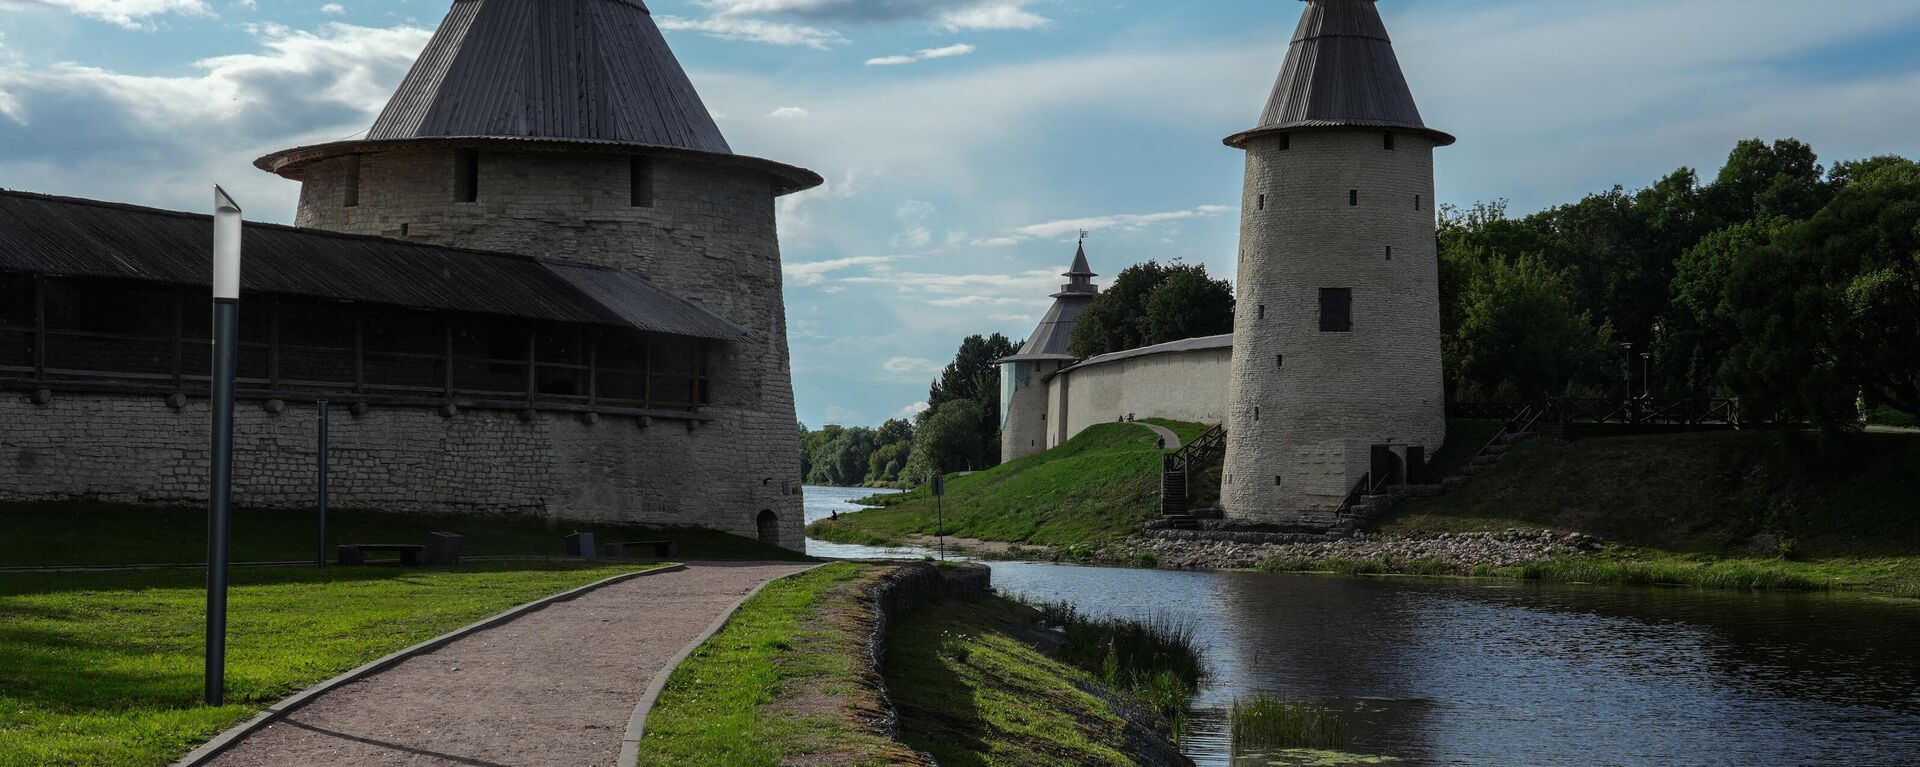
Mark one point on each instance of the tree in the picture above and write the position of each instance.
(1521, 335)
(1699, 331)
(971, 374)
(948, 440)
(1831, 307)
(1759, 181)
(1153, 304)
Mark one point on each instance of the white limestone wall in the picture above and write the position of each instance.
(1182, 386)
(1306, 406)
(1023, 431)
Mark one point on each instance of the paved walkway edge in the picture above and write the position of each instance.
(637, 724)
(227, 739)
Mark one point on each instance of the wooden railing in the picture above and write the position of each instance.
(1680, 412)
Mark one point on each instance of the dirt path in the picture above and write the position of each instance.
(1168, 439)
(550, 688)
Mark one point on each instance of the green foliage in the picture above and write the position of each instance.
(950, 439)
(971, 376)
(849, 457)
(104, 668)
(1264, 722)
(1151, 303)
(1519, 334)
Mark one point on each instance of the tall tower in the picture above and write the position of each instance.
(569, 130)
(1023, 391)
(1337, 328)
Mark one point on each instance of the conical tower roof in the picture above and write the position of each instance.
(548, 72)
(1341, 71)
(1053, 337)
(597, 70)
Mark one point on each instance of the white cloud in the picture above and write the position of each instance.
(998, 15)
(912, 215)
(911, 366)
(947, 52)
(815, 272)
(1126, 221)
(130, 14)
(755, 31)
(333, 8)
(840, 415)
(789, 113)
(998, 242)
(124, 136)
(911, 411)
(1010, 317)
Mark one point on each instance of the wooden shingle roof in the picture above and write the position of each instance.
(1340, 72)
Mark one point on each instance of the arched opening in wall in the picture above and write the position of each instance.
(768, 524)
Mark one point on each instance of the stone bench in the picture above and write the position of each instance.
(356, 553)
(660, 549)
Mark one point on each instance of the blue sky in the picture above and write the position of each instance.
(965, 141)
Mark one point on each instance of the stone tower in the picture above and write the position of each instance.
(1023, 391)
(569, 130)
(1337, 328)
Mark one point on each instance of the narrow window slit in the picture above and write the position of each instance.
(640, 181)
(1353, 197)
(353, 181)
(466, 175)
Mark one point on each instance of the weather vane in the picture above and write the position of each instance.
(1083, 235)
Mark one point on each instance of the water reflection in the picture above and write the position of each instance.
(1527, 675)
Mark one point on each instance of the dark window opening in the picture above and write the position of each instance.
(1263, 202)
(1286, 141)
(640, 182)
(1389, 252)
(1279, 360)
(353, 181)
(1256, 414)
(1262, 311)
(1276, 480)
(1353, 197)
(1336, 310)
(466, 175)
(1389, 140)
(1416, 202)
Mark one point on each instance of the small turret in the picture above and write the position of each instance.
(1023, 391)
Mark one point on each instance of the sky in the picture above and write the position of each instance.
(966, 142)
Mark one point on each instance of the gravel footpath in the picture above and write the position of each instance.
(554, 687)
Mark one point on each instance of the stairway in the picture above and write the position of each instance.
(1173, 500)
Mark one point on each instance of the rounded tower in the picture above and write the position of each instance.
(1336, 355)
(1023, 388)
(568, 130)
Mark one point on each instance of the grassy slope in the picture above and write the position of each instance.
(1100, 484)
(97, 534)
(105, 668)
(1690, 502)
(781, 684)
(972, 694)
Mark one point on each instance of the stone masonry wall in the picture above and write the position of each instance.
(135, 449)
(709, 237)
(1183, 386)
(1305, 405)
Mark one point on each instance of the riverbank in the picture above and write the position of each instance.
(792, 679)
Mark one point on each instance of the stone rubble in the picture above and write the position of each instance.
(1463, 551)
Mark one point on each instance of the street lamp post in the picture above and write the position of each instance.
(1646, 376)
(226, 330)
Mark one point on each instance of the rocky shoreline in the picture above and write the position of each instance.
(1461, 551)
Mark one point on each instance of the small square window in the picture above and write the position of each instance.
(1336, 310)
(1276, 480)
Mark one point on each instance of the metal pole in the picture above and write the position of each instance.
(226, 331)
(320, 557)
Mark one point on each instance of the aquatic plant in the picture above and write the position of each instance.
(1156, 660)
(1266, 722)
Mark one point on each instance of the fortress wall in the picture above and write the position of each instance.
(1024, 431)
(709, 237)
(1182, 386)
(135, 449)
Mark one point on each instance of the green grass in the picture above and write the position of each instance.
(972, 692)
(781, 684)
(1101, 484)
(1263, 722)
(1465, 437)
(104, 669)
(99, 534)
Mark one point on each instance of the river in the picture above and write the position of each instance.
(1500, 673)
